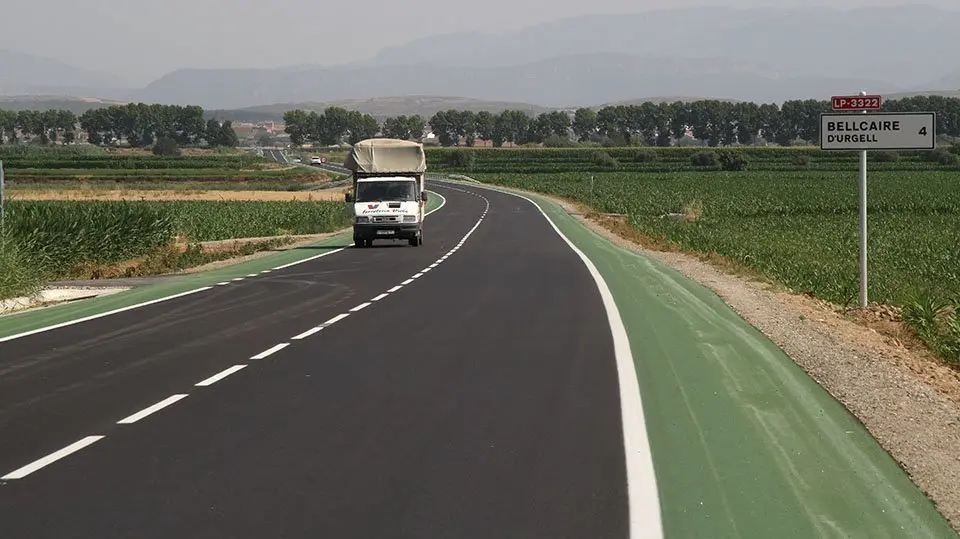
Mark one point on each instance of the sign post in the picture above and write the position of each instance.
(877, 131)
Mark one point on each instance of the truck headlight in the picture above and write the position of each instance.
(409, 218)
(363, 219)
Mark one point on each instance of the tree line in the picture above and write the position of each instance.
(139, 124)
(713, 122)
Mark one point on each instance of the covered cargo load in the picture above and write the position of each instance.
(386, 156)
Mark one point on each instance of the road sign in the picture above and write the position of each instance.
(878, 131)
(857, 102)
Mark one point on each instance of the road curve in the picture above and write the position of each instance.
(464, 388)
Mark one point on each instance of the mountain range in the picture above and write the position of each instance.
(764, 55)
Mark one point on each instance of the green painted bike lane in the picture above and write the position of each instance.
(745, 444)
(17, 323)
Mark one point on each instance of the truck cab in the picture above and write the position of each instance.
(388, 207)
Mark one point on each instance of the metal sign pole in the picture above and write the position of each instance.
(863, 225)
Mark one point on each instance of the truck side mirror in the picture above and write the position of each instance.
(423, 196)
(348, 197)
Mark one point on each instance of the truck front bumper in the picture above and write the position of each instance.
(385, 231)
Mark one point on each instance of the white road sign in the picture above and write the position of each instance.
(878, 131)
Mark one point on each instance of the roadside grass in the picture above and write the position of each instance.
(173, 258)
(798, 229)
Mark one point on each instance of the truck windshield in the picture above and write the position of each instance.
(386, 190)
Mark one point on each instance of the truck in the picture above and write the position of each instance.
(389, 193)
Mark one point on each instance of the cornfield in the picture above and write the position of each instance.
(673, 159)
(58, 236)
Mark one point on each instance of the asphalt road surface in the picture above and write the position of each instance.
(464, 388)
(274, 155)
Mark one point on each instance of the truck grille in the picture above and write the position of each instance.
(385, 219)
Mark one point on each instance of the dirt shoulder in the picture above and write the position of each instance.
(908, 400)
(191, 194)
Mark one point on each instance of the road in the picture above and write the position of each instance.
(514, 376)
(480, 396)
(273, 155)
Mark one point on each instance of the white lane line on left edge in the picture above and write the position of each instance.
(20, 473)
(381, 296)
(151, 409)
(360, 307)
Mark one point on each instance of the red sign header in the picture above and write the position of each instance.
(856, 102)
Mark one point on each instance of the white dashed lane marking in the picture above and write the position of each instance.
(270, 351)
(220, 376)
(50, 459)
(151, 409)
(360, 307)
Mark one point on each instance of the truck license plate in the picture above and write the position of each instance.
(385, 232)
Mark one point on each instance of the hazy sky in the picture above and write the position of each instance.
(144, 39)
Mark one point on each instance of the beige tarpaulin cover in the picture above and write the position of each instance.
(379, 155)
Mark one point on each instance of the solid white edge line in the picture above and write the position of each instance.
(238, 279)
(223, 283)
(307, 333)
(20, 473)
(101, 315)
(381, 296)
(270, 351)
(335, 319)
(151, 409)
(253, 275)
(394, 289)
(219, 376)
(360, 307)
(408, 281)
(642, 493)
(314, 257)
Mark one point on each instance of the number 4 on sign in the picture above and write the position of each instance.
(923, 131)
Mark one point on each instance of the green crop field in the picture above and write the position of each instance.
(795, 227)
(57, 239)
(653, 160)
(31, 164)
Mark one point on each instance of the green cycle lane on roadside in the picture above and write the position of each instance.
(744, 442)
(16, 323)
